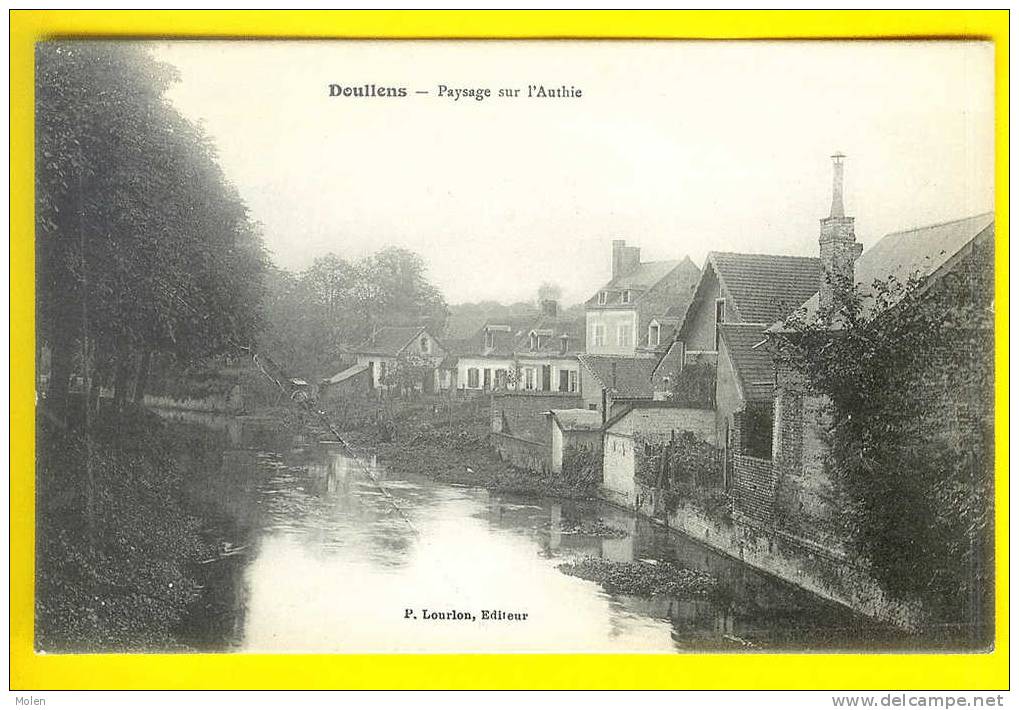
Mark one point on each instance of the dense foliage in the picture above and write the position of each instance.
(908, 368)
(336, 302)
(121, 584)
(696, 387)
(683, 459)
(142, 244)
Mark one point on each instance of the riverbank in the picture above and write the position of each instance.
(449, 443)
(113, 558)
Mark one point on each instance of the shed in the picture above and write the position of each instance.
(573, 428)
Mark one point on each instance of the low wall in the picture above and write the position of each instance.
(818, 570)
(522, 453)
(218, 403)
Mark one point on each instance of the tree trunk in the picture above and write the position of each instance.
(143, 377)
(122, 378)
(93, 400)
(60, 377)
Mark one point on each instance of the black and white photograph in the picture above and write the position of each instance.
(525, 346)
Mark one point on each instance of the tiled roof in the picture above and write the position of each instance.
(577, 419)
(765, 288)
(514, 338)
(646, 276)
(751, 359)
(630, 377)
(921, 251)
(390, 340)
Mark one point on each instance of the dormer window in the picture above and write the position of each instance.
(626, 296)
(424, 344)
(564, 343)
(603, 298)
(654, 334)
(534, 340)
(489, 339)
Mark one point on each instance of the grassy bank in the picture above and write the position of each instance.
(449, 442)
(116, 579)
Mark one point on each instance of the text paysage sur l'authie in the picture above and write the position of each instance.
(455, 94)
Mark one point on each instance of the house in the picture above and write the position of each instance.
(778, 436)
(631, 434)
(640, 306)
(533, 353)
(949, 258)
(401, 357)
(718, 358)
(573, 429)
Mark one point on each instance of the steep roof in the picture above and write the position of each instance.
(390, 340)
(751, 359)
(923, 251)
(765, 287)
(644, 277)
(630, 377)
(577, 419)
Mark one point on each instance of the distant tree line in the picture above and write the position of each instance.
(142, 246)
(337, 303)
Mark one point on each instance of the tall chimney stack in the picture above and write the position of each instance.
(839, 248)
(618, 245)
(624, 259)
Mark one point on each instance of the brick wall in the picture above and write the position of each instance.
(530, 455)
(522, 414)
(753, 482)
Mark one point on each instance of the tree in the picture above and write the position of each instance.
(142, 243)
(336, 303)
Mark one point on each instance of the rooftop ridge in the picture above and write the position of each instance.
(935, 225)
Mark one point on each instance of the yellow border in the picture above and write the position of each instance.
(30, 671)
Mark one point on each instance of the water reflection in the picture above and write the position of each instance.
(330, 562)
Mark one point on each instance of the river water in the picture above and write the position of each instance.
(316, 556)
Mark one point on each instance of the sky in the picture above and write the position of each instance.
(680, 148)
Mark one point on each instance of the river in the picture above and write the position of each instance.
(322, 553)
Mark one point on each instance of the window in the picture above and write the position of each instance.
(472, 378)
(488, 378)
(489, 339)
(719, 318)
(573, 380)
(603, 298)
(564, 344)
(626, 296)
(424, 344)
(625, 333)
(501, 379)
(757, 429)
(654, 334)
(530, 376)
(598, 335)
(382, 371)
(534, 340)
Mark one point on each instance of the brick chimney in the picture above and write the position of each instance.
(624, 259)
(839, 248)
